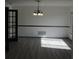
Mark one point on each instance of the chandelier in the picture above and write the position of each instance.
(38, 12)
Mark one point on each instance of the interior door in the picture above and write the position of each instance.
(12, 25)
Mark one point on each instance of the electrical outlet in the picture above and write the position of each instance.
(41, 33)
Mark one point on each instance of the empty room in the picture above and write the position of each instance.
(38, 29)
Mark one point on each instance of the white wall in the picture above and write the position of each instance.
(8, 5)
(53, 16)
(50, 32)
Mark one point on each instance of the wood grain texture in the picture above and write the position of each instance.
(30, 48)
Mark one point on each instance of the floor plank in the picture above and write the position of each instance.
(30, 48)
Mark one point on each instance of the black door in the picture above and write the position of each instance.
(12, 25)
(11, 30)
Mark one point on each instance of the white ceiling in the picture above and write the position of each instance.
(14, 1)
(43, 2)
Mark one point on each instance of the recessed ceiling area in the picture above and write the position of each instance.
(42, 2)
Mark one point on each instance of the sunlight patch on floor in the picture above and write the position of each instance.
(54, 43)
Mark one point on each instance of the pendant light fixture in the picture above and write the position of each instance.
(38, 12)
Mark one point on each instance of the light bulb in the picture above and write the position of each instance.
(39, 14)
(35, 14)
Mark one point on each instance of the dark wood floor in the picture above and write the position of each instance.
(29, 48)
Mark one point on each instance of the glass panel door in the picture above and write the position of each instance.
(12, 24)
